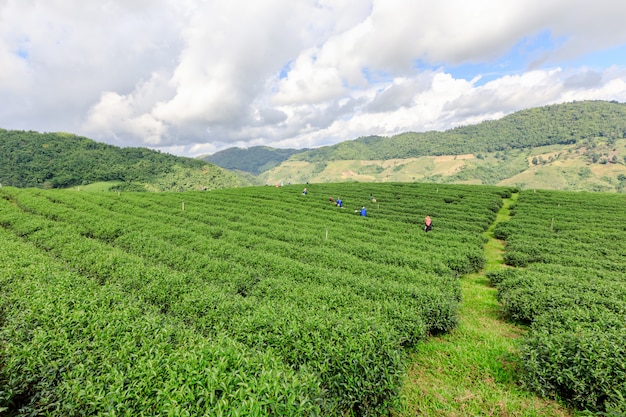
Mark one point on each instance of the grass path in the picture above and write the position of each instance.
(471, 371)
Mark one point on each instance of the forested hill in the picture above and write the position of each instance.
(557, 124)
(58, 160)
(256, 159)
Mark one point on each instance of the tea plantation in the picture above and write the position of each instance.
(264, 301)
(570, 287)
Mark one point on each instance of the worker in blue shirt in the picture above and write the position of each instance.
(339, 202)
(363, 211)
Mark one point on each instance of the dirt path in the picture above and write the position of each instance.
(471, 371)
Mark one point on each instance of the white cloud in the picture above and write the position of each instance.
(196, 76)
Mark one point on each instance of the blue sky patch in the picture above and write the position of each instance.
(375, 77)
(284, 71)
(22, 53)
(528, 52)
(602, 59)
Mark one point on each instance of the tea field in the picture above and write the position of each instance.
(569, 286)
(254, 301)
(264, 301)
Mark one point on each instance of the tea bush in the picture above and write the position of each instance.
(572, 293)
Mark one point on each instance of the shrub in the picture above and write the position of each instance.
(578, 355)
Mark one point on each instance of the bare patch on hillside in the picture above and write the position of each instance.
(445, 158)
(446, 165)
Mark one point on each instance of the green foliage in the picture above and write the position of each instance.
(128, 186)
(571, 292)
(72, 347)
(578, 354)
(57, 160)
(256, 159)
(561, 124)
(493, 173)
(234, 304)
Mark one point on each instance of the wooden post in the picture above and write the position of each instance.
(183, 206)
(327, 233)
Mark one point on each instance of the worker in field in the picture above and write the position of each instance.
(331, 199)
(304, 192)
(428, 224)
(372, 199)
(339, 202)
(363, 211)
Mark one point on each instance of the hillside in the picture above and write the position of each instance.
(573, 146)
(595, 166)
(560, 124)
(254, 160)
(60, 160)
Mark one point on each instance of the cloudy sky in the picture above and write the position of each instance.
(192, 77)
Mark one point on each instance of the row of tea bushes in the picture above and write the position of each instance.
(572, 293)
(72, 347)
(299, 326)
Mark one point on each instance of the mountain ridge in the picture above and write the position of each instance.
(572, 146)
(263, 158)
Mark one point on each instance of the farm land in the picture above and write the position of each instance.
(569, 287)
(264, 301)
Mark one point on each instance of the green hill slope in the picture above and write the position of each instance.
(560, 124)
(59, 160)
(573, 146)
